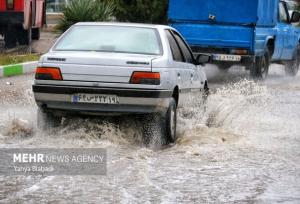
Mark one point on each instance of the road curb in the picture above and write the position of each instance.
(17, 69)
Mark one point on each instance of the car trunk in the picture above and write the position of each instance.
(98, 67)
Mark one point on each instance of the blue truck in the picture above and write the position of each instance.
(252, 33)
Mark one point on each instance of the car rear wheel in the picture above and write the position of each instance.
(46, 120)
(260, 69)
(292, 67)
(171, 121)
(160, 128)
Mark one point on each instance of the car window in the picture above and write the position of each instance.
(106, 38)
(283, 17)
(185, 50)
(177, 55)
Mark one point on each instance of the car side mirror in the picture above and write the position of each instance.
(295, 17)
(203, 59)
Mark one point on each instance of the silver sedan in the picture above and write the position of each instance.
(105, 68)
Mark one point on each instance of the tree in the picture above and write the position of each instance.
(86, 11)
(142, 11)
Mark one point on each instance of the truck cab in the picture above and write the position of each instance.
(249, 33)
(21, 20)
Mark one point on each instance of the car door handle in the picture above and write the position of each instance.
(178, 74)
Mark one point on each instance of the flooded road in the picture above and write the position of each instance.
(243, 147)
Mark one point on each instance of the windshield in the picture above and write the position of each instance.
(111, 39)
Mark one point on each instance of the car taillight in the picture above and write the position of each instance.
(151, 78)
(48, 73)
(10, 4)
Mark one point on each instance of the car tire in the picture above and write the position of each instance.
(171, 122)
(260, 69)
(46, 120)
(205, 93)
(292, 67)
(160, 128)
(10, 38)
(35, 35)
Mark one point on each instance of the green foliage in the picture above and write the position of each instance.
(86, 11)
(142, 11)
(7, 59)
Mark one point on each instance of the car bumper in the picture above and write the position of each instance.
(59, 98)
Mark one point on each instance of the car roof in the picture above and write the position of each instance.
(141, 25)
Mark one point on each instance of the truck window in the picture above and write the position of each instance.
(283, 16)
(186, 52)
(177, 56)
(10, 4)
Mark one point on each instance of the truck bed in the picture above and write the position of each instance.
(217, 35)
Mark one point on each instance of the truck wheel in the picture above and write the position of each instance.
(160, 128)
(224, 67)
(10, 38)
(35, 35)
(292, 67)
(23, 36)
(260, 69)
(46, 120)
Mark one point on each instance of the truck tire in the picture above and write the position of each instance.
(160, 128)
(10, 38)
(35, 35)
(260, 69)
(23, 36)
(292, 67)
(46, 120)
(224, 67)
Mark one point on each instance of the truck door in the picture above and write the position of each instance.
(285, 32)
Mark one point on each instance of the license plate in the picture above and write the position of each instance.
(95, 98)
(233, 58)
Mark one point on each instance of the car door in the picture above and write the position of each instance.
(194, 71)
(179, 68)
